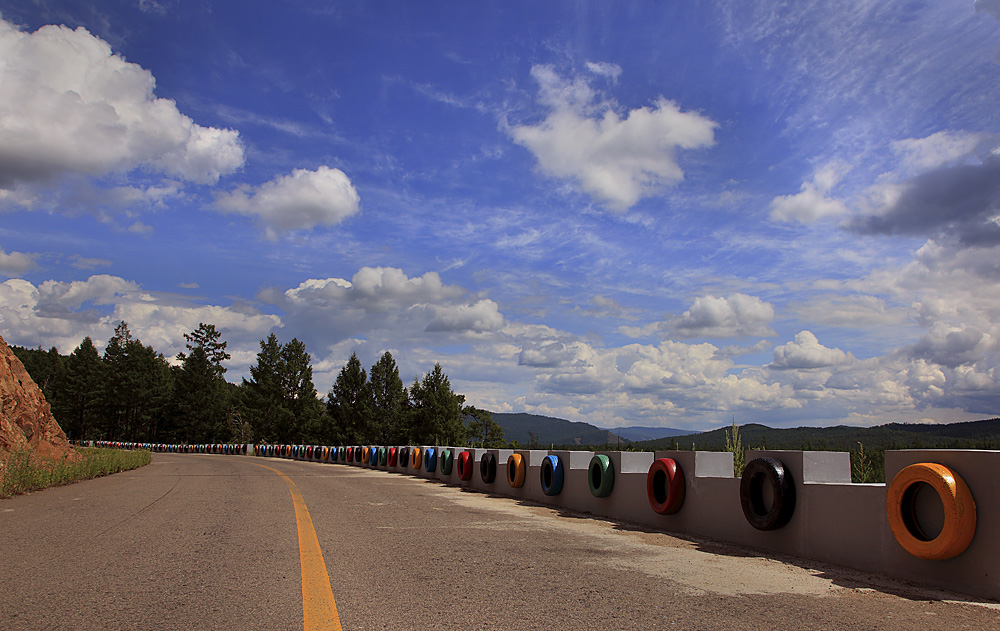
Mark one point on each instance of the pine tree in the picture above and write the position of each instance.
(263, 394)
(482, 430)
(136, 390)
(77, 406)
(349, 405)
(279, 399)
(306, 408)
(207, 338)
(436, 412)
(389, 401)
(200, 399)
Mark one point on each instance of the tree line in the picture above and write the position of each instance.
(132, 393)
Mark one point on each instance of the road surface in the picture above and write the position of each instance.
(213, 542)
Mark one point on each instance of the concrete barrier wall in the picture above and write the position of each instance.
(833, 521)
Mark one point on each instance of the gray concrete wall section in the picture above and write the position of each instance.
(399, 461)
(575, 494)
(499, 484)
(475, 482)
(531, 489)
(452, 477)
(421, 470)
(628, 495)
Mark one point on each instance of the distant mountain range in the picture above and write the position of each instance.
(544, 431)
(556, 431)
(550, 431)
(639, 433)
(966, 435)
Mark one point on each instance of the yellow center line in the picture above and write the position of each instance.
(319, 611)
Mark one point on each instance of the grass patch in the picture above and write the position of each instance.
(22, 472)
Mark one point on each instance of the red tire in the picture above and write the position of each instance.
(465, 466)
(665, 486)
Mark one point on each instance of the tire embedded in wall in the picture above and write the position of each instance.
(601, 476)
(551, 475)
(392, 456)
(404, 457)
(416, 458)
(665, 486)
(430, 460)
(383, 456)
(488, 468)
(447, 462)
(959, 511)
(350, 454)
(515, 471)
(767, 471)
(465, 466)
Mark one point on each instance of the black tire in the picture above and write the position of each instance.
(488, 468)
(756, 474)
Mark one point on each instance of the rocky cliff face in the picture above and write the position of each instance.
(26, 422)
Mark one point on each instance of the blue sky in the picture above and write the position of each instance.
(626, 213)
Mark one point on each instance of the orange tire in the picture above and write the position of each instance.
(959, 511)
(416, 458)
(515, 471)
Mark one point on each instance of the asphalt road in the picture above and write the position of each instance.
(211, 542)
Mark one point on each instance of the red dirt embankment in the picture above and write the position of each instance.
(26, 421)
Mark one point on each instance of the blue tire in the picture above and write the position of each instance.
(551, 475)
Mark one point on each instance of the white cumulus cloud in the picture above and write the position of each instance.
(479, 317)
(805, 352)
(61, 314)
(939, 149)
(69, 105)
(299, 201)
(618, 160)
(738, 315)
(813, 202)
(15, 263)
(380, 304)
(605, 69)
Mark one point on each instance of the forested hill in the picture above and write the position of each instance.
(967, 435)
(637, 432)
(551, 431)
